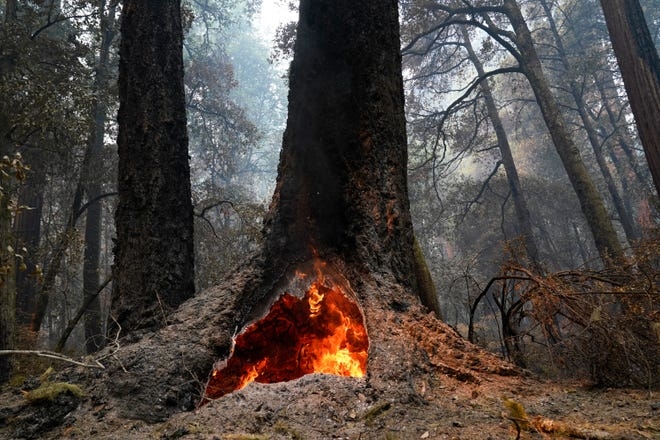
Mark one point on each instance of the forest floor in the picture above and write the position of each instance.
(449, 389)
(327, 407)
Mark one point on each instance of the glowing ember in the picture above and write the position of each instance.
(321, 333)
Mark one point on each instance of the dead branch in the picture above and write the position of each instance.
(484, 185)
(51, 355)
(81, 311)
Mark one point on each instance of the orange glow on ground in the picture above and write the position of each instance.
(321, 333)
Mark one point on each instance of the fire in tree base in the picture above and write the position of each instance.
(163, 373)
(314, 326)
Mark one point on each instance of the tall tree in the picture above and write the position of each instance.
(154, 257)
(520, 203)
(495, 21)
(92, 179)
(7, 265)
(640, 68)
(342, 184)
(591, 202)
(341, 190)
(581, 107)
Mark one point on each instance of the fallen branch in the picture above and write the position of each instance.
(52, 355)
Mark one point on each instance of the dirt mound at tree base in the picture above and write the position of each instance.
(423, 381)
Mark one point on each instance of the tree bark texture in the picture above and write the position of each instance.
(153, 271)
(342, 185)
(591, 202)
(640, 68)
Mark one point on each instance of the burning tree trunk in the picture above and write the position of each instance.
(341, 188)
(335, 281)
(341, 185)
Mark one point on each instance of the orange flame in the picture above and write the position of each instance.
(322, 333)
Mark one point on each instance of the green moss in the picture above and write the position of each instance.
(50, 391)
(17, 380)
(283, 428)
(425, 287)
(376, 410)
(517, 413)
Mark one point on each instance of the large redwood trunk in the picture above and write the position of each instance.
(341, 185)
(154, 256)
(640, 68)
(341, 197)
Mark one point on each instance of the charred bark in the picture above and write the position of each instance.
(341, 196)
(342, 187)
(351, 212)
(153, 271)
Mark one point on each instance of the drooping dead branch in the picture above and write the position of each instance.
(51, 355)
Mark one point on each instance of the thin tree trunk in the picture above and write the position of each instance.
(622, 136)
(62, 244)
(605, 238)
(7, 279)
(27, 230)
(520, 203)
(7, 260)
(11, 8)
(640, 68)
(94, 335)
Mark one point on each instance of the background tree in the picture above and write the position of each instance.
(519, 200)
(640, 68)
(12, 172)
(582, 110)
(154, 255)
(93, 181)
(46, 121)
